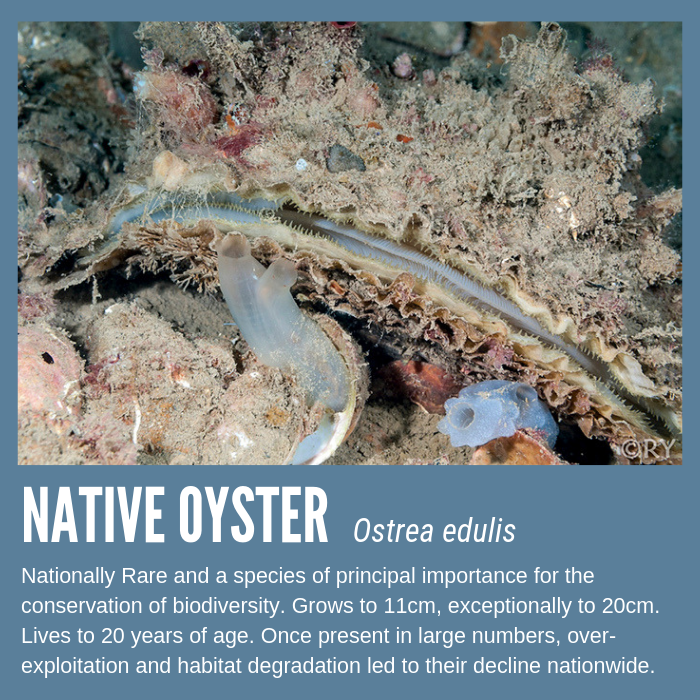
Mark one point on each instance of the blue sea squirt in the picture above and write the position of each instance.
(493, 409)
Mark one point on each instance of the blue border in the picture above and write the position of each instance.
(637, 525)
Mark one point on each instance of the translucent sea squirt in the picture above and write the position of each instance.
(282, 336)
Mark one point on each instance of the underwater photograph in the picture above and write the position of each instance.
(349, 243)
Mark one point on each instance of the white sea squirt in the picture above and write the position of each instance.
(282, 336)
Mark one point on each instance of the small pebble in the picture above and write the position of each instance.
(341, 159)
(429, 78)
(301, 165)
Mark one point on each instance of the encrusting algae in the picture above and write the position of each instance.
(497, 228)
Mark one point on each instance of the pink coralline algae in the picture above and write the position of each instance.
(403, 66)
(184, 104)
(48, 377)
